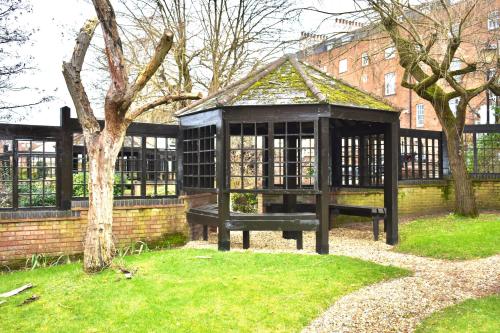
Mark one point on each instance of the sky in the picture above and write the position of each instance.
(56, 23)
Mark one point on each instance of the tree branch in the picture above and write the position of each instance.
(113, 46)
(133, 114)
(71, 72)
(149, 70)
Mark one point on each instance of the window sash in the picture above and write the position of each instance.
(343, 66)
(365, 61)
(420, 115)
(390, 52)
(494, 20)
(390, 83)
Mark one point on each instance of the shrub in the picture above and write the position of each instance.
(244, 202)
(37, 191)
(79, 190)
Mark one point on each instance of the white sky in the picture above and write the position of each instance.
(59, 20)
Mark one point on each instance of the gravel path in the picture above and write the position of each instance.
(392, 306)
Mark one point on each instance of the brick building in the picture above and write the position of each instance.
(366, 58)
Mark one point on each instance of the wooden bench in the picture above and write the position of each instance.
(292, 223)
(376, 213)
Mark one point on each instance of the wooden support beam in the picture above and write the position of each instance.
(391, 158)
(290, 200)
(203, 219)
(271, 225)
(205, 232)
(246, 239)
(222, 144)
(300, 240)
(364, 168)
(323, 199)
(273, 216)
(65, 162)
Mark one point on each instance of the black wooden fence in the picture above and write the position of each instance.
(46, 166)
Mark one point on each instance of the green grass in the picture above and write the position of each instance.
(451, 237)
(175, 292)
(474, 316)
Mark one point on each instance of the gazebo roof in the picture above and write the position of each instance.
(288, 81)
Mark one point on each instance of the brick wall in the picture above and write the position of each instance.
(23, 234)
(413, 200)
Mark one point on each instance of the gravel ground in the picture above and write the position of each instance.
(393, 306)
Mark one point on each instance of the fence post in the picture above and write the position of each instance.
(443, 156)
(65, 161)
(144, 164)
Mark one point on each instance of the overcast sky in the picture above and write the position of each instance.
(57, 22)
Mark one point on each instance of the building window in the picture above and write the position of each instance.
(491, 72)
(494, 20)
(455, 28)
(364, 78)
(420, 115)
(343, 66)
(455, 65)
(453, 103)
(390, 83)
(390, 52)
(365, 61)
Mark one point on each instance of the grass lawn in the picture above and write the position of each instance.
(475, 315)
(175, 292)
(451, 237)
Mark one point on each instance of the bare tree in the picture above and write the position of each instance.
(238, 35)
(216, 40)
(11, 35)
(429, 37)
(175, 74)
(103, 144)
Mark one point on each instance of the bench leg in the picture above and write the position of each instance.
(246, 239)
(376, 220)
(385, 224)
(205, 232)
(300, 241)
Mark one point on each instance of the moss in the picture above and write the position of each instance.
(168, 241)
(340, 93)
(284, 84)
(446, 191)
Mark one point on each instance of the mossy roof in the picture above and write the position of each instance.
(288, 81)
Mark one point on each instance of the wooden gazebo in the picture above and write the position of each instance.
(288, 129)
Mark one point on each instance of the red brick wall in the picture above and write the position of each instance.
(21, 238)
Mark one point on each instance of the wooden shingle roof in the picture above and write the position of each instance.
(288, 81)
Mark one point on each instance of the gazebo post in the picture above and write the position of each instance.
(290, 200)
(323, 199)
(223, 234)
(391, 163)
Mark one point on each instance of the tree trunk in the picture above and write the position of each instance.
(99, 246)
(465, 201)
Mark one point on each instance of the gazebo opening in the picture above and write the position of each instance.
(289, 131)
